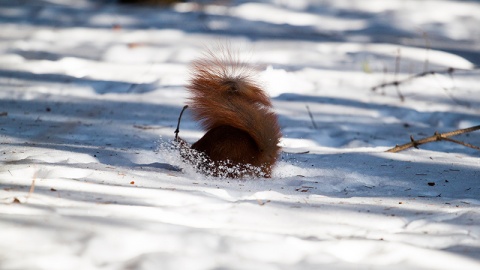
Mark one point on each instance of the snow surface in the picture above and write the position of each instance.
(90, 95)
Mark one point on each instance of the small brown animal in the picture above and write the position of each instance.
(242, 130)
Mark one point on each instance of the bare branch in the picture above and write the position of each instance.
(410, 78)
(178, 124)
(311, 117)
(437, 137)
(461, 143)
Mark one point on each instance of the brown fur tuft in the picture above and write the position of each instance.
(237, 114)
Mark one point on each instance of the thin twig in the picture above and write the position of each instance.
(146, 127)
(461, 143)
(397, 62)
(399, 93)
(311, 117)
(450, 95)
(437, 137)
(32, 186)
(410, 78)
(397, 69)
(427, 50)
(449, 71)
(178, 124)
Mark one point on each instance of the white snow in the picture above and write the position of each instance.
(90, 92)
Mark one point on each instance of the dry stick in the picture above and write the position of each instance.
(450, 95)
(461, 143)
(425, 72)
(397, 69)
(385, 72)
(427, 50)
(311, 117)
(437, 137)
(449, 70)
(32, 186)
(178, 124)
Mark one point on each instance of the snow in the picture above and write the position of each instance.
(91, 92)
